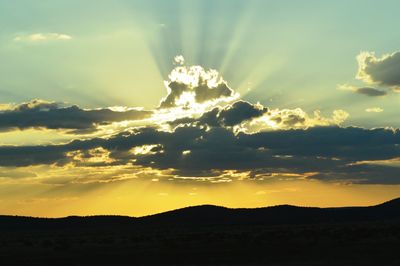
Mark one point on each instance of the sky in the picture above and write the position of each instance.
(136, 107)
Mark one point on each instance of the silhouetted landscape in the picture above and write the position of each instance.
(209, 235)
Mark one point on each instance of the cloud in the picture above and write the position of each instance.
(377, 72)
(51, 115)
(41, 37)
(318, 152)
(253, 118)
(240, 111)
(367, 91)
(284, 119)
(179, 60)
(362, 174)
(297, 118)
(191, 86)
(374, 110)
(372, 92)
(201, 131)
(384, 71)
(228, 116)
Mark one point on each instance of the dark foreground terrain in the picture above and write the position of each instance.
(209, 235)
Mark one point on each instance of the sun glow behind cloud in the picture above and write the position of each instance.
(199, 105)
(237, 97)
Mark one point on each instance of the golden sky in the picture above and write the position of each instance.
(134, 108)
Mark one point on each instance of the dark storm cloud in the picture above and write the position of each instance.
(384, 71)
(230, 115)
(50, 115)
(330, 152)
(372, 92)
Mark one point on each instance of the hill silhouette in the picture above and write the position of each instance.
(210, 215)
(275, 215)
(209, 235)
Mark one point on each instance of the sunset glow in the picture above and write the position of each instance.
(148, 106)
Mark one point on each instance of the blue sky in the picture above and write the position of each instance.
(295, 53)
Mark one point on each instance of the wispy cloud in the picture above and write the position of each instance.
(41, 37)
(374, 110)
(367, 91)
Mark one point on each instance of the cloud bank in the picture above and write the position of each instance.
(203, 130)
(51, 115)
(317, 152)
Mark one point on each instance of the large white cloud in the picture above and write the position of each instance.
(190, 86)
